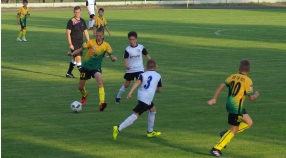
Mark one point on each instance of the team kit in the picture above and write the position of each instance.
(149, 81)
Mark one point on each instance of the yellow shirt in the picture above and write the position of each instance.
(100, 22)
(239, 86)
(23, 12)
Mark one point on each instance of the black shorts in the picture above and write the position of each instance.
(131, 76)
(23, 23)
(77, 43)
(86, 74)
(142, 107)
(235, 119)
(91, 16)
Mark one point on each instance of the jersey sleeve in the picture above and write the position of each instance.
(108, 49)
(160, 83)
(227, 81)
(86, 3)
(94, 2)
(144, 51)
(248, 87)
(69, 25)
(85, 45)
(126, 54)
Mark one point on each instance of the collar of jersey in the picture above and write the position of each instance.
(134, 46)
(99, 44)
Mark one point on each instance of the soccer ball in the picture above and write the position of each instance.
(76, 106)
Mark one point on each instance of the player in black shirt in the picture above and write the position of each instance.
(76, 27)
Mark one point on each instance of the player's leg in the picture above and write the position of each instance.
(151, 121)
(84, 75)
(24, 33)
(234, 121)
(91, 21)
(21, 32)
(246, 122)
(78, 62)
(98, 78)
(71, 66)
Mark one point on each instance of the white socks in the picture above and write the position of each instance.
(92, 23)
(121, 90)
(128, 122)
(151, 119)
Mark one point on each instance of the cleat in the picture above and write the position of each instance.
(117, 100)
(69, 75)
(83, 99)
(102, 106)
(153, 134)
(18, 39)
(221, 134)
(215, 152)
(24, 39)
(115, 132)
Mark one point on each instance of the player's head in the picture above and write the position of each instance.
(244, 66)
(100, 12)
(77, 11)
(151, 64)
(132, 36)
(99, 34)
(25, 3)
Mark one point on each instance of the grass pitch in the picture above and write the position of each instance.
(195, 49)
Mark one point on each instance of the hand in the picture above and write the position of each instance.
(69, 54)
(256, 93)
(114, 59)
(211, 102)
(129, 96)
(127, 67)
(71, 47)
(18, 21)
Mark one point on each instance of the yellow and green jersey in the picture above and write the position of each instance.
(95, 54)
(23, 12)
(100, 22)
(239, 86)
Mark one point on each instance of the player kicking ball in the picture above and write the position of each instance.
(239, 86)
(150, 82)
(91, 65)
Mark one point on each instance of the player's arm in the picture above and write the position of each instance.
(126, 56)
(144, 52)
(159, 86)
(68, 31)
(109, 51)
(95, 7)
(86, 34)
(249, 90)
(74, 53)
(112, 57)
(28, 13)
(107, 30)
(254, 96)
(217, 92)
(135, 85)
(86, 5)
(18, 18)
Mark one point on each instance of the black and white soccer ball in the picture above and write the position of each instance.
(76, 106)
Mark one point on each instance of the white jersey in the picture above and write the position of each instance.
(134, 56)
(90, 4)
(150, 80)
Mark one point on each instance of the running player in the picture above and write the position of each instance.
(23, 14)
(239, 85)
(133, 62)
(91, 65)
(91, 6)
(150, 82)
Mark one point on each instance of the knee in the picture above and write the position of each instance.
(250, 123)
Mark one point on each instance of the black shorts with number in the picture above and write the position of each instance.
(131, 76)
(77, 43)
(142, 107)
(86, 74)
(235, 119)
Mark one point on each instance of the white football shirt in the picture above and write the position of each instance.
(90, 4)
(150, 80)
(134, 56)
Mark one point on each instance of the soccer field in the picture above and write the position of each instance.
(195, 49)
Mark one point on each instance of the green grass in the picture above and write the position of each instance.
(195, 49)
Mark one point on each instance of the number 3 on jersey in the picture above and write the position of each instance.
(146, 86)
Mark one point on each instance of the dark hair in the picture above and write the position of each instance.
(76, 8)
(244, 66)
(100, 30)
(101, 9)
(132, 33)
(151, 64)
(25, 1)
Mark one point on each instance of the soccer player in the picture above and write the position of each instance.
(23, 14)
(91, 6)
(100, 21)
(91, 65)
(239, 86)
(150, 82)
(133, 62)
(75, 28)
